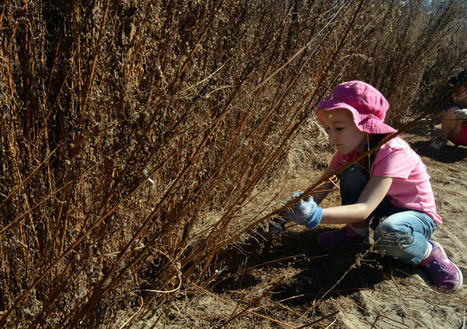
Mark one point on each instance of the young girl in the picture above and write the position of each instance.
(454, 120)
(391, 184)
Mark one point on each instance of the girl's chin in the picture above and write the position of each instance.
(347, 151)
(343, 150)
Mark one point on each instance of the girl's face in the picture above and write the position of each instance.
(343, 132)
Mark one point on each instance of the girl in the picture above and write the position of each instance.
(393, 183)
(454, 120)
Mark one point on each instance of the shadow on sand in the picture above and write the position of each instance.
(320, 274)
(325, 274)
(448, 154)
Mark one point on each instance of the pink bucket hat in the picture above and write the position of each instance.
(367, 105)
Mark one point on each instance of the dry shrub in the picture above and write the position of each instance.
(135, 133)
(410, 57)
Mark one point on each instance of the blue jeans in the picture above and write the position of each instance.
(403, 234)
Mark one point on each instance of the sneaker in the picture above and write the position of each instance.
(443, 273)
(343, 238)
(439, 143)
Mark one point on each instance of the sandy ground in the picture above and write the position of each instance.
(295, 283)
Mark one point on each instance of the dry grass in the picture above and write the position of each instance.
(136, 134)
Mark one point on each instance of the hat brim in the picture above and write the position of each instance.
(367, 123)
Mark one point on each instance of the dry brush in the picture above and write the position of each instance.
(137, 136)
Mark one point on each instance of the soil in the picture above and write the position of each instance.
(295, 283)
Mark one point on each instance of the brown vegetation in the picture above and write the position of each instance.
(139, 139)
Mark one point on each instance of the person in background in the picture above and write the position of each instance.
(454, 120)
(389, 190)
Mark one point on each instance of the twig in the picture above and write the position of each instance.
(131, 317)
(254, 302)
(179, 274)
(316, 322)
(294, 257)
(246, 310)
(380, 315)
(463, 321)
(403, 300)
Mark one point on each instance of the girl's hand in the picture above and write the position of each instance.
(304, 212)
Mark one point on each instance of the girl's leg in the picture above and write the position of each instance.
(450, 126)
(352, 182)
(405, 236)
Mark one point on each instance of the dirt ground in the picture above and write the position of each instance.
(295, 283)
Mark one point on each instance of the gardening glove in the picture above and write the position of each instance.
(304, 212)
(277, 229)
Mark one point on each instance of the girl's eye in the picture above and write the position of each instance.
(339, 129)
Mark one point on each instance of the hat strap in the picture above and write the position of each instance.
(368, 148)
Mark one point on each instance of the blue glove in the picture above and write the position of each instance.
(277, 229)
(304, 212)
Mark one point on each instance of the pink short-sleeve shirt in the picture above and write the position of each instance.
(410, 188)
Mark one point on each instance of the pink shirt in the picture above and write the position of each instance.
(410, 188)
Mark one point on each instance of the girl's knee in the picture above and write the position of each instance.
(354, 174)
(394, 243)
(450, 113)
(392, 233)
(390, 226)
(352, 182)
(404, 236)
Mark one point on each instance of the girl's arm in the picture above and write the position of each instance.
(372, 195)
